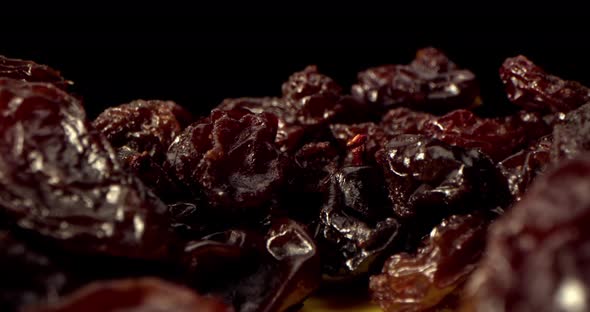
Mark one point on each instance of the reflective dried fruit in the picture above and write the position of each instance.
(232, 159)
(427, 178)
(496, 137)
(531, 88)
(30, 71)
(536, 257)
(59, 177)
(571, 137)
(254, 272)
(522, 168)
(141, 132)
(143, 126)
(135, 295)
(356, 226)
(430, 83)
(417, 282)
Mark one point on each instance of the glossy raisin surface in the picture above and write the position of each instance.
(254, 272)
(530, 87)
(356, 226)
(231, 159)
(496, 137)
(572, 136)
(427, 178)
(30, 71)
(430, 83)
(536, 255)
(135, 295)
(143, 126)
(417, 282)
(60, 177)
(522, 168)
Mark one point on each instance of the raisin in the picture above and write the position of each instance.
(311, 168)
(143, 126)
(530, 87)
(572, 136)
(289, 132)
(60, 178)
(356, 226)
(29, 275)
(496, 137)
(30, 71)
(536, 257)
(141, 132)
(427, 178)
(417, 282)
(522, 168)
(375, 136)
(405, 121)
(134, 295)
(254, 272)
(230, 157)
(430, 83)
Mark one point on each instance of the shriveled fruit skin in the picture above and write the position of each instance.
(141, 132)
(522, 168)
(59, 178)
(429, 179)
(422, 281)
(231, 160)
(536, 257)
(571, 136)
(30, 71)
(135, 295)
(431, 82)
(356, 227)
(143, 126)
(253, 271)
(530, 87)
(496, 137)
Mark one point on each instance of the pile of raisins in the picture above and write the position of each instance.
(402, 185)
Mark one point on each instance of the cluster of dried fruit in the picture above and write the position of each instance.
(251, 207)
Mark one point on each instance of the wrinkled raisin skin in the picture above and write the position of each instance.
(530, 87)
(417, 282)
(231, 157)
(60, 177)
(496, 137)
(30, 71)
(355, 227)
(254, 272)
(572, 135)
(135, 295)
(537, 250)
(430, 83)
(427, 178)
(522, 168)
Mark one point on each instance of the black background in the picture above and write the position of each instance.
(198, 57)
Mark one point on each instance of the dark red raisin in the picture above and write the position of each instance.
(572, 136)
(530, 87)
(417, 282)
(30, 71)
(60, 178)
(254, 272)
(427, 178)
(536, 257)
(522, 168)
(430, 83)
(495, 137)
(356, 227)
(231, 157)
